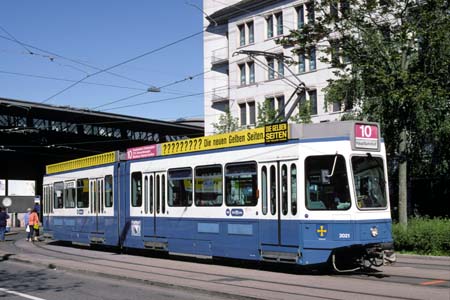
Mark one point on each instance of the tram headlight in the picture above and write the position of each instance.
(374, 231)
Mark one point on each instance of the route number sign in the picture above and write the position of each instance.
(366, 136)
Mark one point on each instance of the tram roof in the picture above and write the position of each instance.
(273, 133)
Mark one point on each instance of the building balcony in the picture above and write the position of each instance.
(220, 95)
(219, 56)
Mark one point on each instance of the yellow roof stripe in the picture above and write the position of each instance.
(90, 161)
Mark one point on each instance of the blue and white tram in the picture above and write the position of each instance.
(319, 196)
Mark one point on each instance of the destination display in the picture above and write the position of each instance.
(142, 152)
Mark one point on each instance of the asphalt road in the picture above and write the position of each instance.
(69, 272)
(28, 281)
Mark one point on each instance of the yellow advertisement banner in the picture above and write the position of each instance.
(225, 140)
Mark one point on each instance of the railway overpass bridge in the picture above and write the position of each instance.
(33, 135)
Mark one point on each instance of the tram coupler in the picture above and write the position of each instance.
(380, 255)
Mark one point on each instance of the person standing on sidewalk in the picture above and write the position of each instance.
(26, 221)
(33, 223)
(3, 217)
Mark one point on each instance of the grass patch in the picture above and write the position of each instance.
(423, 236)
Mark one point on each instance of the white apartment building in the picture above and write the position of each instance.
(239, 82)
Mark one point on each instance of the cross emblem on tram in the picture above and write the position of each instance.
(321, 231)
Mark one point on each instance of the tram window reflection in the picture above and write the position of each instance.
(83, 193)
(327, 189)
(58, 199)
(179, 187)
(208, 186)
(241, 184)
(136, 189)
(370, 183)
(69, 195)
(108, 191)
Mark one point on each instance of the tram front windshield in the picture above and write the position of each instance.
(327, 183)
(370, 183)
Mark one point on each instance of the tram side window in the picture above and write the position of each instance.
(370, 183)
(59, 190)
(69, 195)
(108, 191)
(264, 189)
(83, 193)
(284, 190)
(180, 187)
(208, 186)
(326, 183)
(241, 184)
(294, 189)
(136, 189)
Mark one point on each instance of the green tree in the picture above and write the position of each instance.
(227, 123)
(391, 61)
(304, 111)
(267, 114)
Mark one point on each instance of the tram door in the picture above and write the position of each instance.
(278, 194)
(154, 201)
(47, 205)
(97, 207)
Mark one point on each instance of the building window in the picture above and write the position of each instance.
(344, 7)
(242, 74)
(312, 59)
(300, 16)
(251, 32)
(280, 68)
(252, 112)
(241, 35)
(334, 9)
(336, 106)
(280, 102)
(251, 70)
(269, 23)
(335, 55)
(310, 11)
(279, 18)
(243, 113)
(301, 63)
(271, 66)
(313, 101)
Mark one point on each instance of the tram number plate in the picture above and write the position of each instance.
(344, 235)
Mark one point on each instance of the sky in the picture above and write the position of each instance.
(63, 53)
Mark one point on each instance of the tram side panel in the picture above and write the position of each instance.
(191, 229)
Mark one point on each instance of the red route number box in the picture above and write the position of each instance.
(366, 136)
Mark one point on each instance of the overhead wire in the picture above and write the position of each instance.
(122, 63)
(150, 90)
(16, 40)
(68, 80)
(55, 55)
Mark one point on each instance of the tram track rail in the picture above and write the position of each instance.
(215, 277)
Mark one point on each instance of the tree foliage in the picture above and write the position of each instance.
(267, 114)
(391, 64)
(227, 123)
